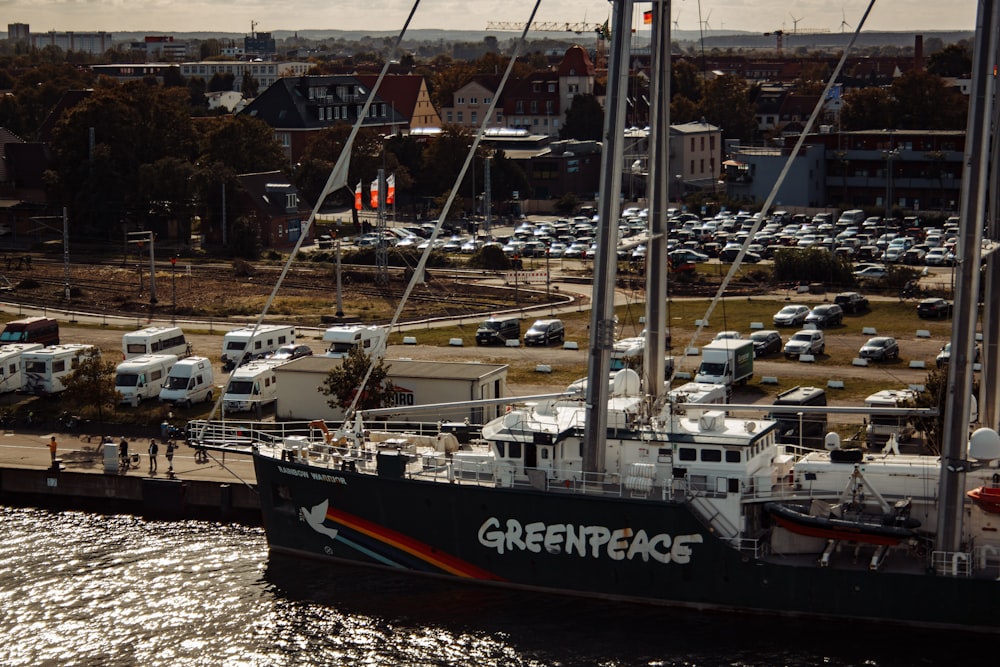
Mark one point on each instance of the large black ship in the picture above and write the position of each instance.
(625, 494)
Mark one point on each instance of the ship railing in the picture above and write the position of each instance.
(747, 545)
(952, 563)
(442, 467)
(243, 433)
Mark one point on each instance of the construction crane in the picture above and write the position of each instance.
(600, 60)
(543, 26)
(780, 36)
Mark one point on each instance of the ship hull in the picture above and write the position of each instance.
(610, 547)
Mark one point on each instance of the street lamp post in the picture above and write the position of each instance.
(889, 156)
(173, 289)
(680, 188)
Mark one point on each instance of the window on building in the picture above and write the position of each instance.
(692, 166)
(460, 100)
(536, 88)
(460, 117)
(711, 142)
(487, 100)
(449, 117)
(692, 144)
(473, 117)
(534, 106)
(701, 165)
(519, 106)
(473, 100)
(550, 107)
(552, 87)
(703, 143)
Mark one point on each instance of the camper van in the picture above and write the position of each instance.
(139, 378)
(252, 386)
(796, 427)
(189, 381)
(41, 330)
(45, 369)
(880, 427)
(155, 340)
(12, 365)
(344, 338)
(242, 345)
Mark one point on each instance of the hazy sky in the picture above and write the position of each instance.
(160, 16)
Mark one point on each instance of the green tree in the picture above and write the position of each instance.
(953, 60)
(221, 82)
(341, 384)
(244, 144)
(683, 110)
(866, 109)
(173, 78)
(92, 385)
(685, 80)
(584, 119)
(811, 265)
(726, 103)
(922, 101)
(249, 85)
(244, 238)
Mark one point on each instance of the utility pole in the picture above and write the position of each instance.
(147, 237)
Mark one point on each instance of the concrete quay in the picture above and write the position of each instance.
(223, 488)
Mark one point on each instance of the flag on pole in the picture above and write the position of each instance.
(604, 32)
(357, 197)
(647, 17)
(374, 190)
(390, 189)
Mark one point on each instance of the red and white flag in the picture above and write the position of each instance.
(390, 189)
(374, 197)
(357, 197)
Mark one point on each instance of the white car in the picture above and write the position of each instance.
(791, 316)
(807, 341)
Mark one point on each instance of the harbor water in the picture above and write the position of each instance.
(91, 589)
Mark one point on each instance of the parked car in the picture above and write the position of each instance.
(324, 241)
(870, 273)
(934, 307)
(728, 335)
(791, 316)
(880, 348)
(544, 332)
(939, 257)
(851, 302)
(765, 342)
(944, 356)
(807, 341)
(289, 352)
(826, 315)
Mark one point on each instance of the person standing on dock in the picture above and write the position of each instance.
(123, 454)
(53, 445)
(170, 456)
(153, 451)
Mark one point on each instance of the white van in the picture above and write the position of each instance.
(245, 344)
(189, 381)
(252, 386)
(855, 216)
(142, 377)
(12, 366)
(345, 337)
(155, 340)
(45, 369)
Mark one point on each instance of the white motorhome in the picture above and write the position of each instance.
(881, 427)
(246, 344)
(709, 395)
(190, 380)
(345, 337)
(252, 386)
(12, 366)
(142, 377)
(45, 369)
(155, 340)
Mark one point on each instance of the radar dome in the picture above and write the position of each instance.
(984, 445)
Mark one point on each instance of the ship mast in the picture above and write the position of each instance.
(602, 325)
(656, 254)
(975, 178)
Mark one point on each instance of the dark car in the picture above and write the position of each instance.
(934, 308)
(826, 315)
(497, 331)
(544, 332)
(324, 241)
(766, 342)
(880, 348)
(851, 302)
(944, 356)
(289, 352)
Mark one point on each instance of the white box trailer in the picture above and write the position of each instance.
(12, 365)
(155, 340)
(140, 378)
(246, 344)
(45, 369)
(189, 381)
(252, 386)
(345, 337)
